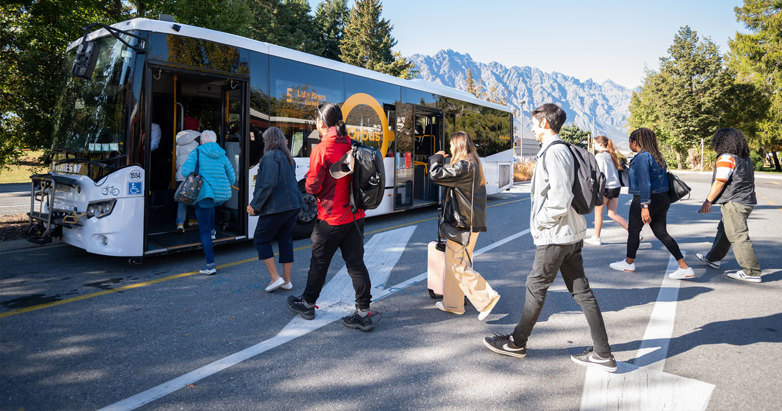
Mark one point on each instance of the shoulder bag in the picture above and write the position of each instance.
(188, 190)
(677, 188)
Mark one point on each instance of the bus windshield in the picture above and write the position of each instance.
(93, 112)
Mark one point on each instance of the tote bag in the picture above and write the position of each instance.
(677, 188)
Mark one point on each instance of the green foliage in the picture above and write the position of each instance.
(688, 98)
(230, 16)
(286, 23)
(330, 19)
(572, 134)
(756, 58)
(367, 41)
(757, 159)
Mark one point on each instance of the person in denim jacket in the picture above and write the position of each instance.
(649, 187)
(277, 201)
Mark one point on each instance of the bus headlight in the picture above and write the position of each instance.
(101, 208)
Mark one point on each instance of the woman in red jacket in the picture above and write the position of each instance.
(335, 227)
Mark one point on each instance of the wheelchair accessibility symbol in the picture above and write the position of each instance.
(134, 188)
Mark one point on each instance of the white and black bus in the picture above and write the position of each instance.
(131, 87)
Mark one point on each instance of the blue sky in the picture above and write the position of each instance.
(609, 39)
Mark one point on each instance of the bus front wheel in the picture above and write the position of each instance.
(305, 221)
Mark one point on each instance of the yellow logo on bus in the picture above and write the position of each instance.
(363, 98)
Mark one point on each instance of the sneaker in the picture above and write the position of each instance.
(359, 322)
(214, 234)
(593, 240)
(739, 275)
(503, 344)
(622, 265)
(590, 359)
(180, 228)
(287, 286)
(192, 223)
(441, 307)
(483, 314)
(682, 274)
(713, 264)
(296, 304)
(208, 269)
(274, 285)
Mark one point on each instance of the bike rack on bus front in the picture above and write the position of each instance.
(45, 220)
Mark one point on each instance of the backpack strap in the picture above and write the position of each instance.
(546, 151)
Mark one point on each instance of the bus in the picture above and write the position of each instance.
(131, 87)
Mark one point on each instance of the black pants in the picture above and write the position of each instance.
(326, 239)
(658, 210)
(565, 258)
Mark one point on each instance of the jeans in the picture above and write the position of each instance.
(326, 239)
(658, 210)
(565, 258)
(733, 230)
(277, 226)
(181, 213)
(206, 223)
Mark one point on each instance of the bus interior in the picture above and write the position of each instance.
(212, 103)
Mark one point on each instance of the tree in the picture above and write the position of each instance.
(330, 19)
(685, 100)
(230, 16)
(471, 86)
(572, 134)
(756, 58)
(286, 23)
(367, 41)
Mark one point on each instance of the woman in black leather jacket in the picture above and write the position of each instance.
(464, 216)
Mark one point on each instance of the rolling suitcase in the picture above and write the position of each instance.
(435, 268)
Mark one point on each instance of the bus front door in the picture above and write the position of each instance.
(418, 136)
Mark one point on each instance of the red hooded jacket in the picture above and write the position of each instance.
(333, 195)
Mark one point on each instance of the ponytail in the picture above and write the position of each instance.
(609, 145)
(331, 114)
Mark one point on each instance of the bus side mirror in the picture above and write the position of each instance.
(86, 56)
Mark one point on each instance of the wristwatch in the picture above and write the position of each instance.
(645, 205)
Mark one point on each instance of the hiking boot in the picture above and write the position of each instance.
(713, 264)
(298, 306)
(593, 241)
(591, 359)
(740, 275)
(682, 274)
(503, 344)
(208, 269)
(622, 265)
(358, 321)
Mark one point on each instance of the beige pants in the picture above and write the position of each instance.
(461, 279)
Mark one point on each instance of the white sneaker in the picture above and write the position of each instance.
(713, 264)
(682, 274)
(441, 307)
(593, 240)
(275, 285)
(287, 286)
(622, 265)
(214, 234)
(483, 314)
(739, 275)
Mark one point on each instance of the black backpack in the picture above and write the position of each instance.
(369, 178)
(589, 183)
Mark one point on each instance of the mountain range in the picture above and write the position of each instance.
(598, 107)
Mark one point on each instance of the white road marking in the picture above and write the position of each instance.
(333, 310)
(644, 385)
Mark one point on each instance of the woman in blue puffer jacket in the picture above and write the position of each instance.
(218, 175)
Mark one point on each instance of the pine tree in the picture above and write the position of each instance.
(473, 87)
(367, 41)
(330, 19)
(286, 23)
(756, 58)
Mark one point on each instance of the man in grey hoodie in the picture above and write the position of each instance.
(558, 232)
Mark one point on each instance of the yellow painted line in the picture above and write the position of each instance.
(187, 274)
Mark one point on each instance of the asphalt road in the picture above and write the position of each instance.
(14, 198)
(70, 340)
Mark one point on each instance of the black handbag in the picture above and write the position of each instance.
(677, 188)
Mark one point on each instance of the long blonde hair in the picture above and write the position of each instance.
(462, 148)
(609, 145)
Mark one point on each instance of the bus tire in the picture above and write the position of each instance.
(305, 221)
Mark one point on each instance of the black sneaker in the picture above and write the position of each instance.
(296, 304)
(358, 322)
(591, 359)
(503, 344)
